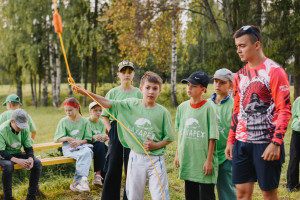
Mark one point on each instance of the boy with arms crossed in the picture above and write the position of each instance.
(151, 124)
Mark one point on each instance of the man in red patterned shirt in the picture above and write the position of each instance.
(261, 114)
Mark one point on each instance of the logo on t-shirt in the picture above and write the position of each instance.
(220, 128)
(14, 146)
(143, 128)
(192, 129)
(74, 132)
(96, 132)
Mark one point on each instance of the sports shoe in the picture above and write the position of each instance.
(73, 186)
(83, 186)
(98, 180)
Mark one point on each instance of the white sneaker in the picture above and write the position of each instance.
(73, 186)
(83, 186)
(98, 180)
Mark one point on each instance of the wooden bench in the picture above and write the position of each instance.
(48, 161)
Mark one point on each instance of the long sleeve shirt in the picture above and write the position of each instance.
(262, 107)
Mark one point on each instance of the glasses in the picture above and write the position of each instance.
(248, 27)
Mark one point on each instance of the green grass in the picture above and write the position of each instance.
(56, 179)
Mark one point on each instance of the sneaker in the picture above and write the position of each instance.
(98, 180)
(73, 186)
(83, 186)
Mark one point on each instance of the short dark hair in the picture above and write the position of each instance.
(252, 31)
(152, 78)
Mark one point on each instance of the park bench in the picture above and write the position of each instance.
(48, 161)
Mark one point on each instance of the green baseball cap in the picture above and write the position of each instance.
(12, 98)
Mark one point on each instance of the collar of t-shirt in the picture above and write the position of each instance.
(198, 105)
(13, 130)
(213, 97)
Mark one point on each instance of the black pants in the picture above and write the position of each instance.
(100, 150)
(8, 169)
(293, 168)
(199, 191)
(113, 167)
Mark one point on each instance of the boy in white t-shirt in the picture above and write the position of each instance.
(151, 124)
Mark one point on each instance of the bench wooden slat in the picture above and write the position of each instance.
(47, 145)
(50, 161)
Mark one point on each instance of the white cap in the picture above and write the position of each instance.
(92, 105)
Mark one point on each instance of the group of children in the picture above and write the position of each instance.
(202, 127)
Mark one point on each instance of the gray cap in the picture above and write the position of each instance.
(20, 117)
(92, 105)
(224, 75)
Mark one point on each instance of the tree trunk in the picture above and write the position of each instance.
(227, 16)
(19, 83)
(45, 86)
(52, 71)
(58, 78)
(94, 70)
(174, 55)
(40, 93)
(86, 78)
(297, 74)
(212, 19)
(33, 91)
(258, 13)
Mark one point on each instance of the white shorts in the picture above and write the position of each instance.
(140, 170)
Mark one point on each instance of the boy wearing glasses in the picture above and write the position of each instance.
(222, 101)
(255, 141)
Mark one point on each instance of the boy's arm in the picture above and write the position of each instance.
(208, 167)
(176, 160)
(151, 145)
(33, 134)
(102, 100)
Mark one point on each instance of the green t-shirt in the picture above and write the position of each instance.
(155, 123)
(7, 116)
(195, 128)
(11, 142)
(296, 115)
(117, 94)
(80, 130)
(224, 115)
(97, 128)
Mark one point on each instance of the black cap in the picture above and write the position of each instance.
(197, 78)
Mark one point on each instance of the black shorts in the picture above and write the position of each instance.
(249, 166)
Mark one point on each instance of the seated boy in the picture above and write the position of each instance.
(12, 103)
(13, 135)
(151, 124)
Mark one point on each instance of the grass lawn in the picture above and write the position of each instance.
(56, 179)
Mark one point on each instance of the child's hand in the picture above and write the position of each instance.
(97, 137)
(207, 168)
(105, 138)
(149, 145)
(176, 161)
(74, 143)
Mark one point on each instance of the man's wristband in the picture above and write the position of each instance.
(277, 144)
